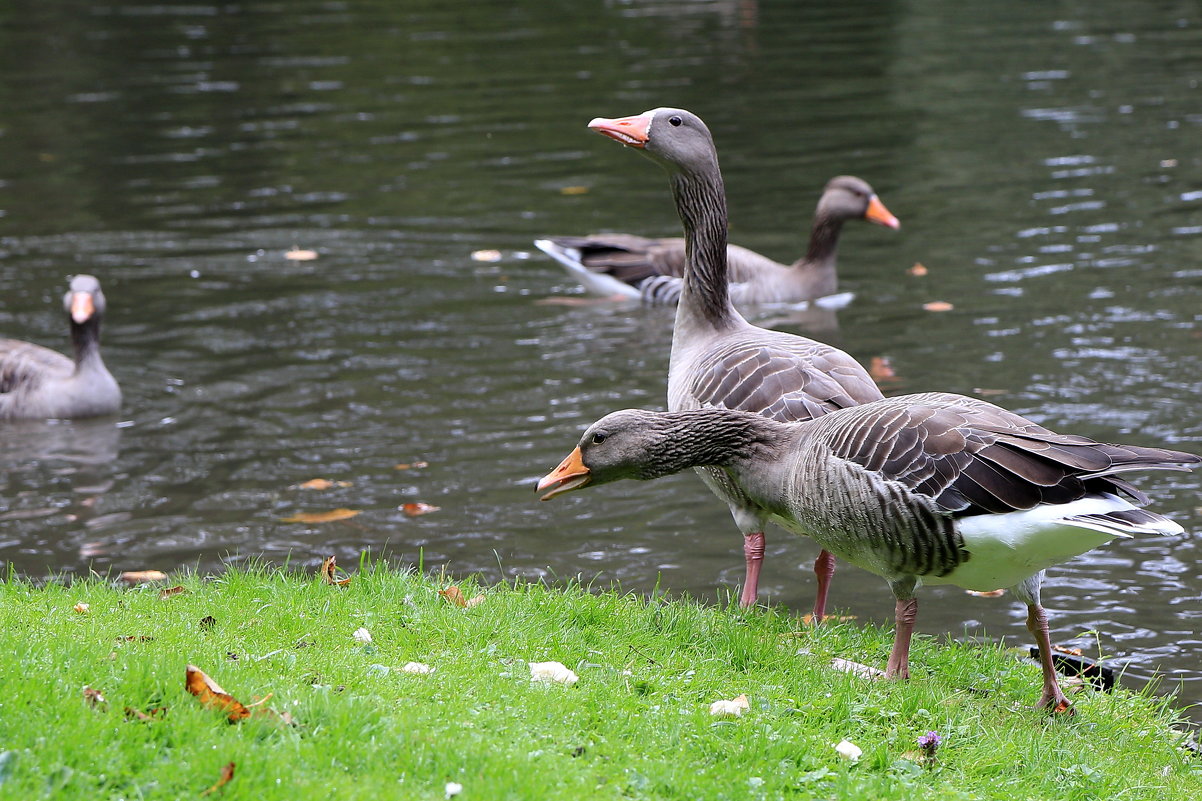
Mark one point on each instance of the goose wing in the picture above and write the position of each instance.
(972, 457)
(24, 365)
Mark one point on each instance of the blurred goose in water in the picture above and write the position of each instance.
(921, 489)
(37, 382)
(718, 358)
(652, 269)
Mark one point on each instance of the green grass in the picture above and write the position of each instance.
(636, 725)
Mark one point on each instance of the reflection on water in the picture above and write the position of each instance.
(1044, 164)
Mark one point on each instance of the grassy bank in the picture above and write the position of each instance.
(637, 724)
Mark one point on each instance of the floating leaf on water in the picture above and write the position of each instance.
(1167, 163)
(320, 484)
(143, 576)
(880, 368)
(486, 255)
(210, 694)
(297, 254)
(410, 465)
(732, 708)
(573, 190)
(986, 593)
(81, 608)
(320, 517)
(227, 773)
(938, 306)
(419, 508)
(987, 393)
(170, 591)
(326, 572)
(919, 269)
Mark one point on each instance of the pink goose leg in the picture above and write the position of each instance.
(1052, 697)
(753, 552)
(899, 658)
(824, 568)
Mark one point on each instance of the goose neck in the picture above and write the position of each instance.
(701, 204)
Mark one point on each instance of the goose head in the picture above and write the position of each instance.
(848, 198)
(619, 445)
(677, 139)
(84, 302)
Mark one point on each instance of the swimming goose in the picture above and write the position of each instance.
(37, 382)
(920, 489)
(651, 269)
(718, 358)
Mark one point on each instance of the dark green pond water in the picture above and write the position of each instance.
(1043, 159)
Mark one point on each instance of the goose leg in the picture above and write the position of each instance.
(753, 552)
(905, 613)
(824, 568)
(1052, 697)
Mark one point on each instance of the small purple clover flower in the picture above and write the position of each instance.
(929, 743)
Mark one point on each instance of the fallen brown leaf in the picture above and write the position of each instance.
(456, 596)
(81, 608)
(574, 190)
(134, 638)
(486, 255)
(938, 306)
(1064, 649)
(919, 269)
(145, 717)
(986, 593)
(320, 484)
(320, 517)
(418, 508)
(298, 254)
(808, 618)
(95, 698)
(410, 465)
(210, 694)
(227, 773)
(208, 622)
(327, 573)
(881, 370)
(143, 576)
(986, 393)
(170, 591)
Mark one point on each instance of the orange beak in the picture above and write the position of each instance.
(631, 131)
(82, 308)
(880, 215)
(570, 475)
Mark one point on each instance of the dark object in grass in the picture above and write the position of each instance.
(1083, 667)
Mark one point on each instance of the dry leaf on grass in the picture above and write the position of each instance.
(732, 708)
(552, 672)
(208, 622)
(299, 254)
(808, 618)
(418, 508)
(320, 517)
(417, 668)
(95, 698)
(81, 608)
(320, 484)
(145, 717)
(143, 576)
(210, 694)
(327, 572)
(227, 773)
(456, 596)
(938, 306)
(170, 591)
(410, 465)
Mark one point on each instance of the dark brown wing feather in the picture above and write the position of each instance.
(628, 258)
(972, 457)
(23, 365)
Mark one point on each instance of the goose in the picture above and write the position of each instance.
(718, 358)
(650, 270)
(920, 489)
(37, 382)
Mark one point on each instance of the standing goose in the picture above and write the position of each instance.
(920, 489)
(718, 358)
(651, 269)
(37, 382)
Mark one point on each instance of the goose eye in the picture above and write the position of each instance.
(598, 438)
(675, 122)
